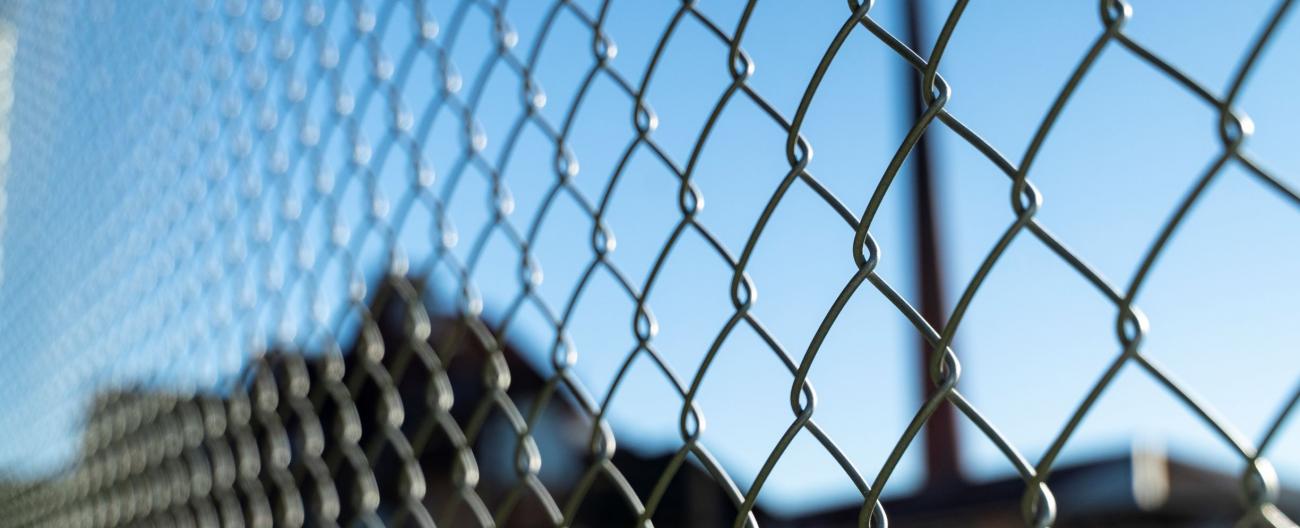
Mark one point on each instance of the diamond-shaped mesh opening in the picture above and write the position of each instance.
(490, 263)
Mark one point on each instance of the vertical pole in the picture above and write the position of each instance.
(943, 470)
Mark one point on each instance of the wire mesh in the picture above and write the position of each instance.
(298, 368)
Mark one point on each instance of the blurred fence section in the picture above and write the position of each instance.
(241, 286)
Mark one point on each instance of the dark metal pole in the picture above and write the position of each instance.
(942, 465)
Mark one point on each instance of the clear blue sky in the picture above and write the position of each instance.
(1222, 300)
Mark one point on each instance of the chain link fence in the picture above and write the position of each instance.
(280, 315)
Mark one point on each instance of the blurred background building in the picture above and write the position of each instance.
(513, 263)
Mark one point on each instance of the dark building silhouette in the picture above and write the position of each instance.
(419, 417)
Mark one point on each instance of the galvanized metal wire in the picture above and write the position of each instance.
(241, 253)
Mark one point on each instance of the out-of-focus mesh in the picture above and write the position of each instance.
(266, 351)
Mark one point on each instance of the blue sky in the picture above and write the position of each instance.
(1221, 300)
(1126, 149)
(1038, 336)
